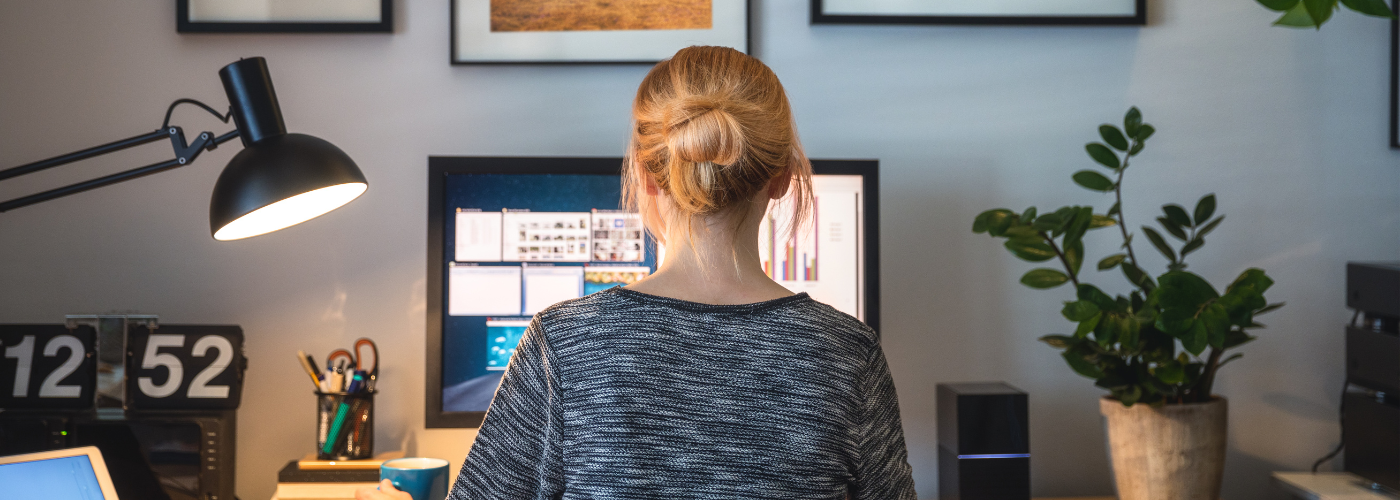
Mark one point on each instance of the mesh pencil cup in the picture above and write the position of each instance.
(344, 425)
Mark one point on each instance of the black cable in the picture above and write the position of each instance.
(222, 117)
(1341, 413)
(1341, 416)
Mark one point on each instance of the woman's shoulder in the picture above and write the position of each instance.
(578, 310)
(832, 321)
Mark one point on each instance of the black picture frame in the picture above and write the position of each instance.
(1139, 18)
(183, 24)
(456, 59)
(439, 167)
(1395, 77)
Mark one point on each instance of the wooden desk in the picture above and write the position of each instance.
(1327, 486)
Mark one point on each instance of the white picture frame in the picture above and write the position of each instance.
(987, 12)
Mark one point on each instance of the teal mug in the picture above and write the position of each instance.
(423, 478)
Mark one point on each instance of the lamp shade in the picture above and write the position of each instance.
(281, 181)
(278, 179)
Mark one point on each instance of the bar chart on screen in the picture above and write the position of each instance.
(822, 256)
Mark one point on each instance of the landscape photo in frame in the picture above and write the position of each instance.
(592, 31)
(599, 15)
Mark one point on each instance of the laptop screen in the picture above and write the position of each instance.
(66, 478)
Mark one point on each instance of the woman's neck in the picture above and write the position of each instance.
(715, 263)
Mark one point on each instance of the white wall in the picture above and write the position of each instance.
(1288, 127)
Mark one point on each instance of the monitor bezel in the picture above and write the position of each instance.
(439, 167)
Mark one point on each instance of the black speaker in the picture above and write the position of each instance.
(984, 449)
(1371, 404)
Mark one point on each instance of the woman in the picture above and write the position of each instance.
(707, 379)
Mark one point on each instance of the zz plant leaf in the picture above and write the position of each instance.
(1111, 261)
(1377, 8)
(1113, 137)
(1058, 341)
(1132, 121)
(1313, 13)
(1209, 227)
(1205, 208)
(1160, 243)
(1100, 153)
(1173, 228)
(994, 221)
(1090, 179)
(1030, 249)
(1079, 310)
(1043, 278)
(1144, 132)
(1177, 215)
(1191, 246)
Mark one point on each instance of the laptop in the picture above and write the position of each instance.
(71, 474)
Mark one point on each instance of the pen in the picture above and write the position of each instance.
(310, 361)
(357, 382)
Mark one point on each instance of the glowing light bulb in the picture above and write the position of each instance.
(291, 211)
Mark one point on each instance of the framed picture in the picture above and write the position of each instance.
(592, 31)
(1007, 12)
(284, 16)
(1395, 78)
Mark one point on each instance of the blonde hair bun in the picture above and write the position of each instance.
(702, 139)
(712, 127)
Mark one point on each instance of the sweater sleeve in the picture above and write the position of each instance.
(516, 455)
(882, 468)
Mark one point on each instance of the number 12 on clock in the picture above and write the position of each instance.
(46, 366)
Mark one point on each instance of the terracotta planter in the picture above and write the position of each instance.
(1176, 452)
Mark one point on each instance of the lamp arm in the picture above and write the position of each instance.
(84, 154)
(185, 153)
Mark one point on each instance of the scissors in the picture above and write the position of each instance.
(339, 353)
(372, 371)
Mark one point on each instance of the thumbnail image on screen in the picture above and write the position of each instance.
(518, 243)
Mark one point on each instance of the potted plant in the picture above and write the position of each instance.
(1155, 350)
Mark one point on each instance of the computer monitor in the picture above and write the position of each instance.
(71, 474)
(508, 237)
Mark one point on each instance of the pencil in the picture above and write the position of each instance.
(310, 370)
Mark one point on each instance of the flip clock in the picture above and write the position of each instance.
(158, 400)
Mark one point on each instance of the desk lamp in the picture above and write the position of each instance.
(277, 180)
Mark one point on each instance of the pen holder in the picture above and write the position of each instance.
(344, 425)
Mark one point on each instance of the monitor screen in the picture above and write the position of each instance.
(509, 237)
(65, 478)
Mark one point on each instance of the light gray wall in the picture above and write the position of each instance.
(1287, 127)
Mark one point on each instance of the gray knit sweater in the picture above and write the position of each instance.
(625, 395)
